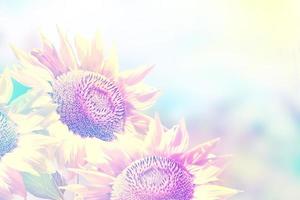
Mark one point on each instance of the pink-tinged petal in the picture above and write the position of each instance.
(70, 158)
(142, 98)
(148, 97)
(139, 121)
(111, 65)
(94, 177)
(24, 58)
(11, 182)
(132, 77)
(129, 142)
(105, 167)
(96, 195)
(5, 187)
(119, 158)
(16, 182)
(66, 52)
(105, 196)
(181, 137)
(156, 130)
(96, 55)
(199, 152)
(49, 57)
(89, 193)
(71, 154)
(175, 141)
(218, 161)
(107, 164)
(4, 193)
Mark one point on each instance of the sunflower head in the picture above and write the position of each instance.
(153, 177)
(92, 97)
(89, 104)
(21, 150)
(158, 167)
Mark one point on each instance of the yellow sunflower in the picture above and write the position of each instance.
(160, 167)
(86, 96)
(21, 148)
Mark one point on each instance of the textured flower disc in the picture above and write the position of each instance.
(89, 104)
(153, 178)
(8, 135)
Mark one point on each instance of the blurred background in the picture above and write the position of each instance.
(231, 68)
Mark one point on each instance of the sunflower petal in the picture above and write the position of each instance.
(199, 152)
(96, 56)
(156, 130)
(49, 57)
(6, 88)
(111, 65)
(94, 177)
(66, 52)
(132, 77)
(82, 46)
(213, 192)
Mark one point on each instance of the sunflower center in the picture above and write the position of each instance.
(8, 135)
(155, 178)
(89, 104)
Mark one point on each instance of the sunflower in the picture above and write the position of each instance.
(21, 148)
(158, 167)
(90, 99)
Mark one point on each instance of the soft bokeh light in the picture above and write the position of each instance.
(230, 67)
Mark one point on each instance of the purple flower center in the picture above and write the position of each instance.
(155, 178)
(89, 104)
(8, 135)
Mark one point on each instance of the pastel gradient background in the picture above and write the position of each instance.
(230, 67)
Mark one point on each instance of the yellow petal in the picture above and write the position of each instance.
(6, 88)
(82, 48)
(213, 192)
(66, 51)
(111, 65)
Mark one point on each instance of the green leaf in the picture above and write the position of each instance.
(43, 186)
